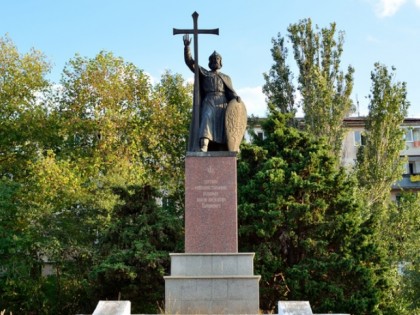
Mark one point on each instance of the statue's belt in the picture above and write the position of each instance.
(215, 93)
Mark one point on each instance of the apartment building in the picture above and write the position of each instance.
(354, 138)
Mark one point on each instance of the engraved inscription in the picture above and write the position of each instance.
(211, 194)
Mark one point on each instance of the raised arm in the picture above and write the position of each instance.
(189, 61)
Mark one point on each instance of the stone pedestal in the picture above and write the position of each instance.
(211, 277)
(211, 203)
(212, 284)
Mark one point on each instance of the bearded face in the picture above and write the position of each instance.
(215, 62)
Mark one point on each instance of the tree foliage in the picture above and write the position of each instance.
(325, 98)
(379, 164)
(279, 87)
(22, 79)
(399, 236)
(133, 251)
(324, 88)
(300, 214)
(108, 135)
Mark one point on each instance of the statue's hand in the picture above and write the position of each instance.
(238, 99)
(187, 40)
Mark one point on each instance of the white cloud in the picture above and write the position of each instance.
(386, 8)
(254, 100)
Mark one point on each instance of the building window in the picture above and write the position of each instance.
(359, 138)
(260, 135)
(412, 135)
(416, 137)
(410, 168)
(416, 134)
(408, 136)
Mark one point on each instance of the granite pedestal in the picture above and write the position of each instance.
(211, 277)
(211, 203)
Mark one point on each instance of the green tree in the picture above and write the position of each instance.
(53, 220)
(300, 214)
(17, 265)
(379, 164)
(110, 131)
(167, 131)
(279, 87)
(118, 133)
(401, 233)
(22, 118)
(102, 106)
(111, 114)
(325, 91)
(133, 254)
(23, 127)
(323, 87)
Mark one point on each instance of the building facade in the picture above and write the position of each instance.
(355, 137)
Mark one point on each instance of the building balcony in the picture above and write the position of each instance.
(408, 182)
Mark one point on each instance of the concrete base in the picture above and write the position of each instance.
(297, 308)
(212, 284)
(113, 308)
(294, 308)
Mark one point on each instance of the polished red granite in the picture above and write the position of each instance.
(211, 203)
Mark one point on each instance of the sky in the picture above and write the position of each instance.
(384, 31)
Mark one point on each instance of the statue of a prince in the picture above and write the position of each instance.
(217, 93)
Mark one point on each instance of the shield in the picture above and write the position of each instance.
(235, 124)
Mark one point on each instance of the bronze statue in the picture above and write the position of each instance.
(219, 116)
(216, 91)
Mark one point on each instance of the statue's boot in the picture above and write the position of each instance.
(204, 144)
